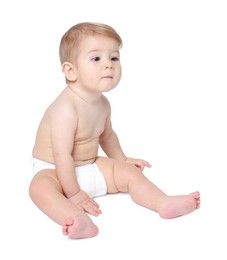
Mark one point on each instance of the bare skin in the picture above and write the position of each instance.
(166, 206)
(171, 207)
(69, 135)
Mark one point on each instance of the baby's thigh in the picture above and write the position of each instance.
(46, 181)
(106, 166)
(116, 173)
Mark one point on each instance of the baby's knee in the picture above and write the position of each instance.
(38, 187)
(34, 189)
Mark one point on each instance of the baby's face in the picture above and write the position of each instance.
(98, 63)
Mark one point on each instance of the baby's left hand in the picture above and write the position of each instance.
(139, 163)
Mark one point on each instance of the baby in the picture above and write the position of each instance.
(68, 172)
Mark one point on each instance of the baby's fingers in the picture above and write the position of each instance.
(91, 207)
(94, 202)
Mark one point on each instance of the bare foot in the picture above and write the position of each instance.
(79, 227)
(176, 206)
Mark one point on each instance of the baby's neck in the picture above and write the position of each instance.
(88, 97)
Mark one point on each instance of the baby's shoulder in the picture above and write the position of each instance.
(105, 101)
(62, 105)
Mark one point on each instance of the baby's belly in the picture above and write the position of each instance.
(85, 153)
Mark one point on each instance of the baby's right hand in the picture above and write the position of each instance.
(84, 202)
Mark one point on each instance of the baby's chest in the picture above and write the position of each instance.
(92, 127)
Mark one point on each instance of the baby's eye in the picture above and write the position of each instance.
(115, 59)
(96, 59)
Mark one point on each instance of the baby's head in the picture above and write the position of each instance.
(70, 42)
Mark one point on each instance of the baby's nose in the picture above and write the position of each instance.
(109, 65)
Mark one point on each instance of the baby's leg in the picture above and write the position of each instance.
(123, 177)
(46, 192)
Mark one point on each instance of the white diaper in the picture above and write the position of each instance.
(89, 177)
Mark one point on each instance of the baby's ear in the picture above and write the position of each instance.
(69, 70)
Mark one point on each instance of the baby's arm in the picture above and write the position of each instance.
(111, 146)
(63, 125)
(108, 140)
(84, 202)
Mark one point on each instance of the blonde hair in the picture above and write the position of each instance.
(70, 41)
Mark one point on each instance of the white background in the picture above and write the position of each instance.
(170, 109)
